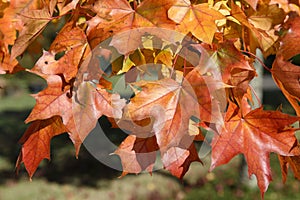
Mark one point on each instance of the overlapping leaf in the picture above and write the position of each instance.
(198, 19)
(171, 104)
(260, 35)
(90, 102)
(9, 25)
(286, 74)
(137, 154)
(289, 161)
(148, 13)
(36, 21)
(115, 16)
(232, 65)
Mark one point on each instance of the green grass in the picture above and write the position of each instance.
(17, 102)
(5, 164)
(130, 187)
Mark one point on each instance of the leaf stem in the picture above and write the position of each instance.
(258, 59)
(258, 100)
(173, 66)
(43, 18)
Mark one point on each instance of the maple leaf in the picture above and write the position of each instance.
(198, 19)
(288, 46)
(286, 74)
(137, 154)
(90, 102)
(80, 115)
(177, 160)
(8, 66)
(73, 43)
(116, 16)
(231, 63)
(69, 37)
(35, 21)
(54, 100)
(165, 100)
(9, 24)
(266, 16)
(255, 135)
(66, 65)
(293, 162)
(65, 6)
(148, 13)
(171, 104)
(138, 151)
(259, 27)
(36, 142)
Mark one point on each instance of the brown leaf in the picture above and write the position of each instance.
(255, 135)
(148, 13)
(71, 41)
(178, 160)
(165, 100)
(293, 162)
(171, 104)
(232, 64)
(67, 65)
(80, 110)
(267, 16)
(116, 16)
(8, 66)
(252, 3)
(64, 8)
(35, 21)
(289, 42)
(36, 142)
(137, 154)
(258, 33)
(90, 102)
(54, 100)
(9, 24)
(69, 37)
(286, 76)
(142, 155)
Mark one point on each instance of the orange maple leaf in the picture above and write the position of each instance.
(137, 154)
(255, 135)
(36, 21)
(36, 142)
(293, 162)
(198, 19)
(90, 104)
(285, 73)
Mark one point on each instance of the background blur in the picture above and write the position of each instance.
(66, 177)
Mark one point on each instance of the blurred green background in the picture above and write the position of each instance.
(66, 177)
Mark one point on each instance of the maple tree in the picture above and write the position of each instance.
(199, 56)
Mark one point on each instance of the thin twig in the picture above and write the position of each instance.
(173, 66)
(256, 96)
(258, 59)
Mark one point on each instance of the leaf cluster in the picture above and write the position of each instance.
(199, 56)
